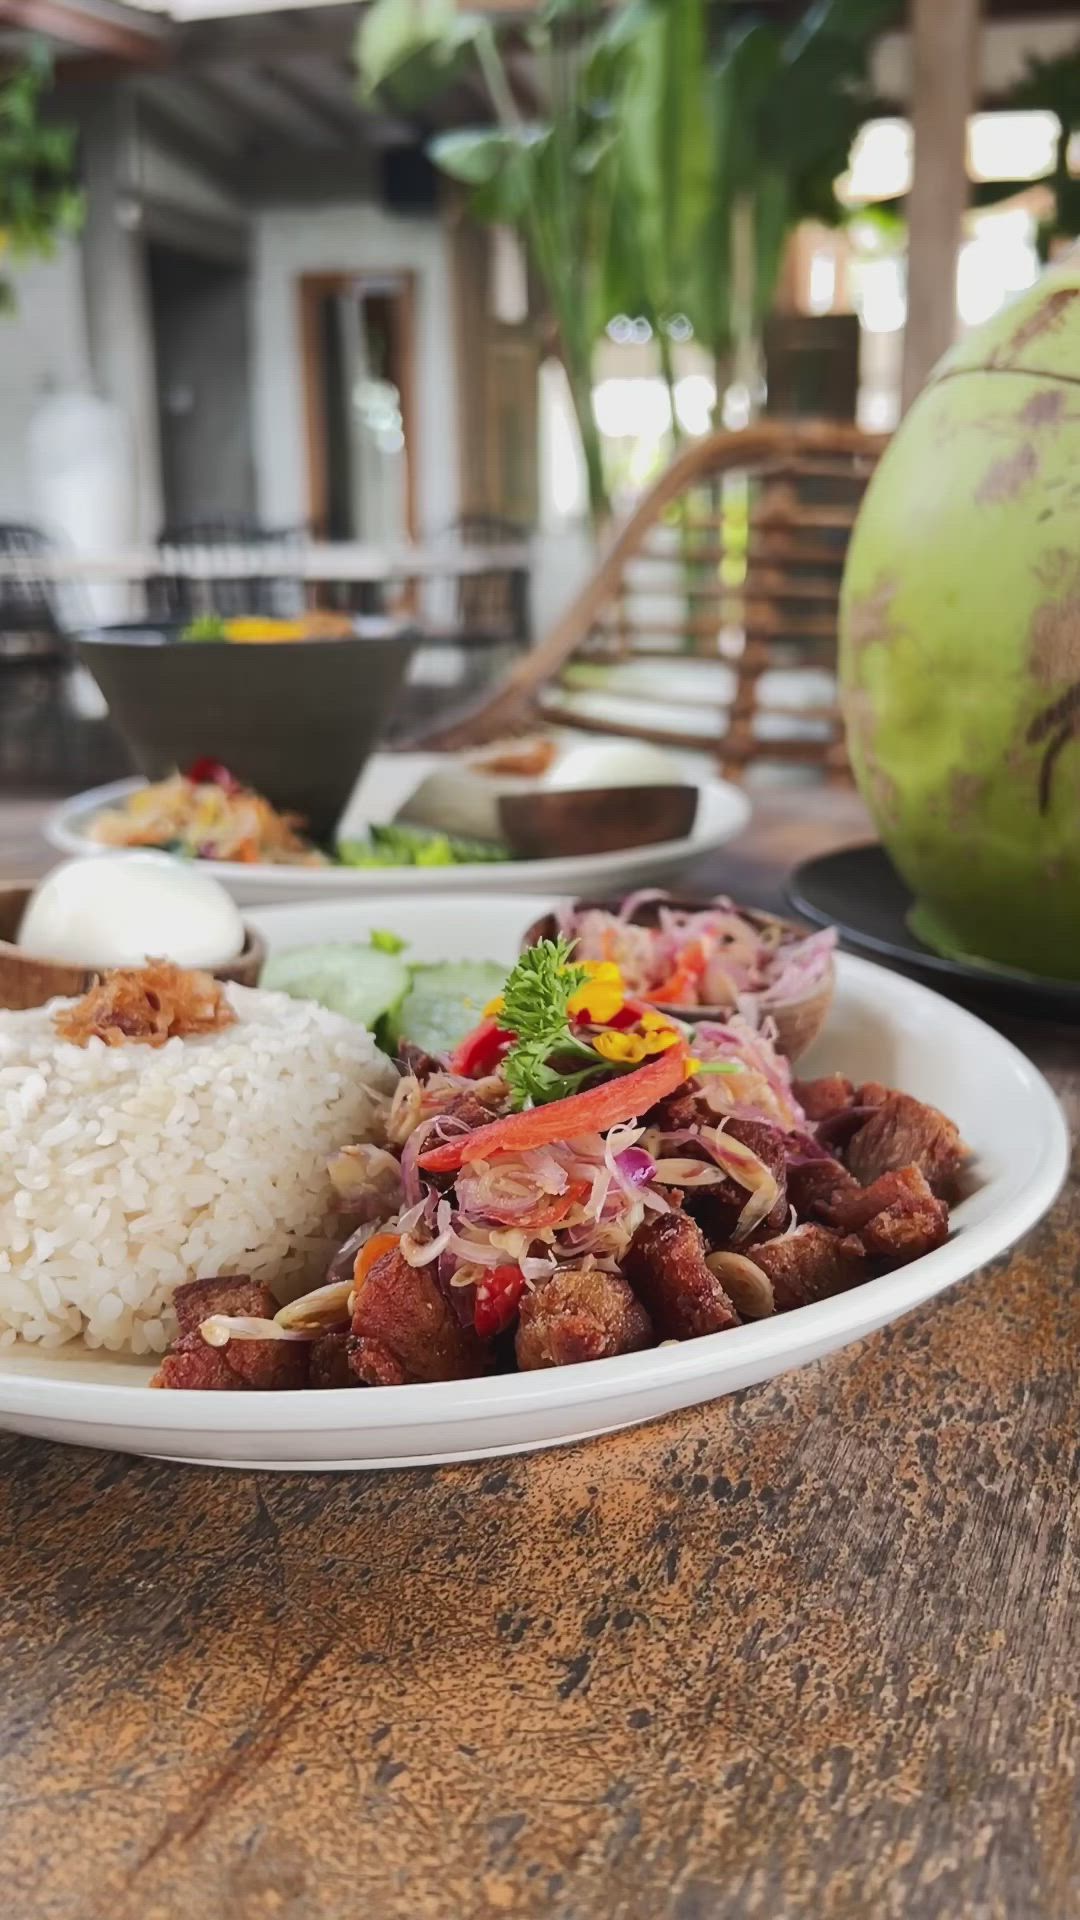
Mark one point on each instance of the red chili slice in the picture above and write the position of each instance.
(594, 1111)
(211, 773)
(497, 1297)
(481, 1050)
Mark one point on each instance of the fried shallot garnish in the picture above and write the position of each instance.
(146, 1005)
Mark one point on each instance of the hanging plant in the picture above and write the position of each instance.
(39, 201)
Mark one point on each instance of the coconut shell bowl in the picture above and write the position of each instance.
(29, 979)
(798, 1021)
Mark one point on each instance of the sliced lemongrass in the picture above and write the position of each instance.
(220, 1328)
(324, 1308)
(748, 1288)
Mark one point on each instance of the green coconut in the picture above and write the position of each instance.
(960, 640)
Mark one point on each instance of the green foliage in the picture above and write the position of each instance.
(38, 200)
(392, 845)
(1051, 86)
(676, 145)
(536, 1010)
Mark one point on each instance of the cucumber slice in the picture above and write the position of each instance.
(363, 983)
(445, 1001)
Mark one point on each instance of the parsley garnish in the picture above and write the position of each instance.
(535, 1010)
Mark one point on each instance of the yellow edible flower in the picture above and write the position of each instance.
(626, 1049)
(494, 1007)
(602, 996)
(692, 1067)
(661, 1042)
(656, 1022)
(630, 1049)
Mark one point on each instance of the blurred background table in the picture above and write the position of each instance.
(810, 1651)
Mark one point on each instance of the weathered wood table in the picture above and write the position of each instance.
(812, 1651)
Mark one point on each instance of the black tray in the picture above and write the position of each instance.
(859, 891)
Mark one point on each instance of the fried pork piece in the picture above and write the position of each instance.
(897, 1218)
(811, 1264)
(413, 1059)
(903, 1132)
(240, 1365)
(328, 1364)
(466, 1107)
(679, 1111)
(717, 1209)
(872, 1093)
(404, 1330)
(232, 1293)
(813, 1185)
(821, 1098)
(147, 1005)
(665, 1265)
(580, 1315)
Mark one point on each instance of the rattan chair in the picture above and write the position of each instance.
(711, 621)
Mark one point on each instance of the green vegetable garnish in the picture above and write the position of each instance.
(444, 1002)
(396, 846)
(208, 626)
(536, 1010)
(386, 942)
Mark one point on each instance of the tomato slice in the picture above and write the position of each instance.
(555, 1207)
(497, 1297)
(681, 988)
(591, 1112)
(371, 1251)
(209, 772)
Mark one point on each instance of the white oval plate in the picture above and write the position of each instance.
(387, 781)
(882, 1027)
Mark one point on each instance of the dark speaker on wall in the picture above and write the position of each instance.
(409, 181)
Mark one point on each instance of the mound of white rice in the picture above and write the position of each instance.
(126, 1170)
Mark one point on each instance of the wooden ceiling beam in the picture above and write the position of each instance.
(324, 89)
(203, 45)
(92, 31)
(260, 98)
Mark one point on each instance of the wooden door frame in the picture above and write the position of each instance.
(312, 289)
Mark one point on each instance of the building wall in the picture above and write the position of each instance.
(165, 177)
(354, 237)
(42, 345)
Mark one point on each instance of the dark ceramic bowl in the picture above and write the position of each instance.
(295, 719)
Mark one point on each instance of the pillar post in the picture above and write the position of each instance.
(944, 39)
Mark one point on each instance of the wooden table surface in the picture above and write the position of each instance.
(811, 1651)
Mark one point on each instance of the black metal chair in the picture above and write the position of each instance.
(475, 626)
(52, 735)
(30, 624)
(177, 593)
(494, 604)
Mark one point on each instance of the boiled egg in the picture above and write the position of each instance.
(118, 910)
(616, 763)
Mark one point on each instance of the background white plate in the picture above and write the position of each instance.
(882, 1027)
(387, 781)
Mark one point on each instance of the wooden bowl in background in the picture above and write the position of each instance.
(27, 980)
(798, 1022)
(555, 824)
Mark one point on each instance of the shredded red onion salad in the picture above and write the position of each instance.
(715, 956)
(762, 1087)
(730, 1160)
(574, 1202)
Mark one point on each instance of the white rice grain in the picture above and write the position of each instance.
(127, 1170)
